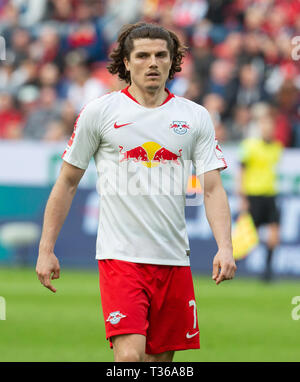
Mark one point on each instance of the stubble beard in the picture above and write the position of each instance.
(152, 88)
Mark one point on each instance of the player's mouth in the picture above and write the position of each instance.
(152, 75)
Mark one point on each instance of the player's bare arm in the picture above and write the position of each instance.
(218, 216)
(57, 208)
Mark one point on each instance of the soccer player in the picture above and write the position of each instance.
(146, 284)
(259, 158)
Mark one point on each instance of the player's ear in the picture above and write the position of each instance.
(126, 63)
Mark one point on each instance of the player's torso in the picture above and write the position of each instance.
(131, 132)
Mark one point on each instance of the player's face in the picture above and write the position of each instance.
(149, 63)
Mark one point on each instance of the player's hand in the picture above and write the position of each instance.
(224, 266)
(47, 269)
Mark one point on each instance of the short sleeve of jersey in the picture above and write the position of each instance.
(85, 139)
(207, 154)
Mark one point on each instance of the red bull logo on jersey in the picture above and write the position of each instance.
(150, 154)
(179, 127)
(115, 317)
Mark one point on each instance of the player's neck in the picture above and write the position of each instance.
(146, 98)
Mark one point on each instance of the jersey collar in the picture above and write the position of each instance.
(169, 96)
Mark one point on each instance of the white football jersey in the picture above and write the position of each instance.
(143, 158)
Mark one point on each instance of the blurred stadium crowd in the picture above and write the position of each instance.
(239, 63)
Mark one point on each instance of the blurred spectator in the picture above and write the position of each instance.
(110, 82)
(251, 51)
(194, 90)
(238, 127)
(288, 115)
(68, 116)
(47, 47)
(237, 57)
(85, 33)
(30, 11)
(12, 77)
(180, 84)
(82, 87)
(118, 13)
(215, 104)
(187, 13)
(250, 89)
(27, 98)
(63, 10)
(50, 75)
(55, 131)
(202, 52)
(47, 111)
(10, 118)
(9, 17)
(216, 11)
(254, 18)
(221, 81)
(231, 48)
(20, 42)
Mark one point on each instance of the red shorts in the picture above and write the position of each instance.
(157, 301)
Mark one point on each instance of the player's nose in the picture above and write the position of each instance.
(153, 62)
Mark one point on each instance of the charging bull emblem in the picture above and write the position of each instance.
(115, 317)
(179, 127)
(150, 154)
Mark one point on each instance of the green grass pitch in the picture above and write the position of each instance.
(240, 320)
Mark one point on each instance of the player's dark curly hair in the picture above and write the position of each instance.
(131, 32)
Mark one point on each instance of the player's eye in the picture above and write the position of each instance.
(141, 55)
(162, 54)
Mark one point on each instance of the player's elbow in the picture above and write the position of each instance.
(215, 190)
(212, 184)
(70, 176)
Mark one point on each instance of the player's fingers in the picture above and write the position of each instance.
(50, 287)
(227, 273)
(231, 271)
(220, 278)
(223, 274)
(55, 274)
(45, 280)
(215, 270)
(42, 277)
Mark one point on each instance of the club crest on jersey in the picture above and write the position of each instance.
(115, 317)
(179, 127)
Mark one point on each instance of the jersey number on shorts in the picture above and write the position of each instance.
(193, 304)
